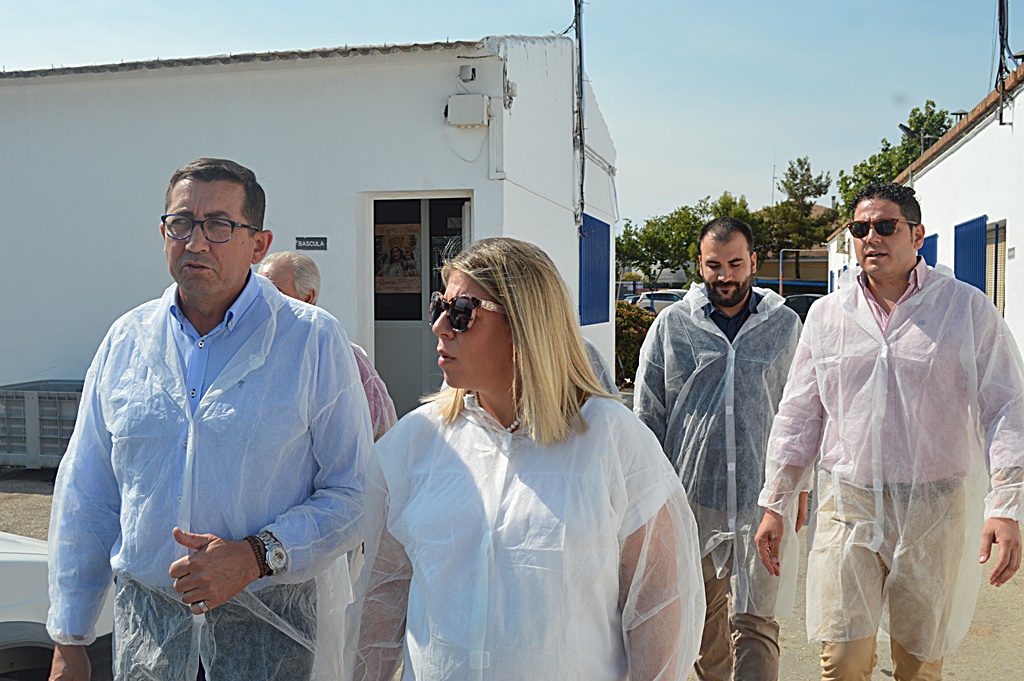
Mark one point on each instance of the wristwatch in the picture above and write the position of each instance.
(270, 554)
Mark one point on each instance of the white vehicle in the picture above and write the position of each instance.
(657, 301)
(25, 648)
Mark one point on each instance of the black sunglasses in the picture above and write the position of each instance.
(460, 309)
(883, 227)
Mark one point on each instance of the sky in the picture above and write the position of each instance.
(700, 97)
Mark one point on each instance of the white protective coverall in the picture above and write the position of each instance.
(279, 441)
(604, 373)
(490, 557)
(900, 425)
(711, 403)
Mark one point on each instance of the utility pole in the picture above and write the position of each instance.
(580, 118)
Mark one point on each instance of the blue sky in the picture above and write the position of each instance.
(700, 97)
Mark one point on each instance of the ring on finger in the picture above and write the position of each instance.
(203, 607)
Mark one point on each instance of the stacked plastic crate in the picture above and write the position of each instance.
(36, 422)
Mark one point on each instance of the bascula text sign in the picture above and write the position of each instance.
(311, 243)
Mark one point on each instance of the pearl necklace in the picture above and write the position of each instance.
(515, 424)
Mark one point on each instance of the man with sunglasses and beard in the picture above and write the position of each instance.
(711, 374)
(903, 388)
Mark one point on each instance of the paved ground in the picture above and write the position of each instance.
(993, 649)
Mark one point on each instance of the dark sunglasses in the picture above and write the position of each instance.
(461, 310)
(883, 226)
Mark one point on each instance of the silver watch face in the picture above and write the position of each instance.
(277, 559)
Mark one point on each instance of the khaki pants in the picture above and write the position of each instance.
(743, 647)
(854, 660)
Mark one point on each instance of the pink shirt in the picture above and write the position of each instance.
(917, 277)
(382, 409)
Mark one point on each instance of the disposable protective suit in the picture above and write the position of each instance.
(279, 441)
(605, 376)
(900, 424)
(490, 557)
(710, 403)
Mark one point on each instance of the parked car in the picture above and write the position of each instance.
(659, 300)
(26, 650)
(631, 299)
(801, 303)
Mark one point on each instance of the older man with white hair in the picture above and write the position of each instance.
(297, 276)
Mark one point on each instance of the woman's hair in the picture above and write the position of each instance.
(553, 377)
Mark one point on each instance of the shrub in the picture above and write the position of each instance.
(631, 324)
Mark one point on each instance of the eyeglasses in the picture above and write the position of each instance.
(216, 230)
(461, 310)
(883, 226)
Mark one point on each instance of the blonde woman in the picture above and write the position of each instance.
(522, 524)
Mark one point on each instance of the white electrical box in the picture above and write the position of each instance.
(468, 111)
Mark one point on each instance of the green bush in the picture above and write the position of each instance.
(631, 324)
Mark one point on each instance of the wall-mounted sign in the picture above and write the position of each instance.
(397, 255)
(310, 243)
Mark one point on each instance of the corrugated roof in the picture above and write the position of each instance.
(323, 53)
(1013, 82)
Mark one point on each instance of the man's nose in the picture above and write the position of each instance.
(197, 241)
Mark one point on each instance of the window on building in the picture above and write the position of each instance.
(930, 249)
(595, 271)
(995, 264)
(969, 251)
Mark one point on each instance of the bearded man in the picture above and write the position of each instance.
(711, 375)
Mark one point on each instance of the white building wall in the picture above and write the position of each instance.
(981, 175)
(542, 181)
(842, 260)
(87, 158)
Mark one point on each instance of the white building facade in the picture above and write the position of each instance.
(363, 152)
(969, 186)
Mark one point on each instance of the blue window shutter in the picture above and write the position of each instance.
(969, 251)
(930, 249)
(595, 271)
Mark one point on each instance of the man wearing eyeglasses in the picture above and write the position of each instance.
(903, 388)
(711, 373)
(216, 465)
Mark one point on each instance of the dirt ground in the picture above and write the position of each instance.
(993, 649)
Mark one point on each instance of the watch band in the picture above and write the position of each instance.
(261, 554)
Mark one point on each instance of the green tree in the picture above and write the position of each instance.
(797, 222)
(891, 159)
(669, 242)
(801, 186)
(648, 248)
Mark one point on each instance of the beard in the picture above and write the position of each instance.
(720, 299)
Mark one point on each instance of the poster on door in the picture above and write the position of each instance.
(397, 258)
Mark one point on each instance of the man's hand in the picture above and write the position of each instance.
(801, 511)
(215, 573)
(70, 663)
(768, 539)
(1006, 533)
